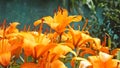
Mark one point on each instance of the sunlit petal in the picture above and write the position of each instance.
(5, 58)
(76, 18)
(84, 64)
(104, 56)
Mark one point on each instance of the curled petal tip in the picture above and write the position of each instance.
(37, 22)
(14, 23)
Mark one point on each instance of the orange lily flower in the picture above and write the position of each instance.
(80, 39)
(29, 43)
(60, 20)
(54, 64)
(50, 58)
(7, 49)
(14, 39)
(104, 60)
(61, 50)
(12, 28)
(5, 53)
(9, 30)
(35, 44)
(16, 42)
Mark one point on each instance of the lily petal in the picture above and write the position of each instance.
(58, 64)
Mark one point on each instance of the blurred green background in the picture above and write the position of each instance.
(26, 11)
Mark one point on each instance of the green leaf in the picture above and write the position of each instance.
(118, 55)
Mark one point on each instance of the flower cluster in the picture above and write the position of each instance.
(55, 47)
